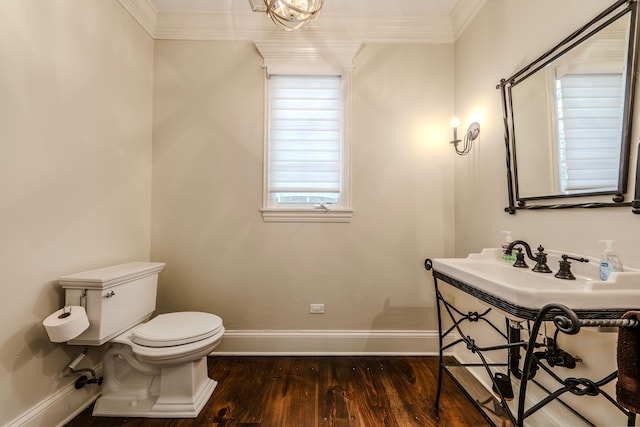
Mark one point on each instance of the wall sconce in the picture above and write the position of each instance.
(473, 131)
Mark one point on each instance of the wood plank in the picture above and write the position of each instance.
(351, 391)
(292, 393)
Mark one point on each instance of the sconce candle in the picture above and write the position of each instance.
(454, 124)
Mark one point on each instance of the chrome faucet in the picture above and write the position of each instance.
(540, 257)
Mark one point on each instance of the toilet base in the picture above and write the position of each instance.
(147, 408)
(174, 391)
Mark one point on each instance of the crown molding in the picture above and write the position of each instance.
(180, 25)
(227, 26)
(144, 12)
(463, 13)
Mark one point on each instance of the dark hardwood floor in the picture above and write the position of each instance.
(319, 391)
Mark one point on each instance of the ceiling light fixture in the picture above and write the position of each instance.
(289, 15)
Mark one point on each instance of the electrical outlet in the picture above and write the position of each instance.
(316, 308)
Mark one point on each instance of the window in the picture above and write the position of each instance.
(589, 121)
(589, 91)
(307, 112)
(305, 141)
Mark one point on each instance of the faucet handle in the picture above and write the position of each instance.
(565, 269)
(520, 262)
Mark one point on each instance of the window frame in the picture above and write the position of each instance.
(300, 60)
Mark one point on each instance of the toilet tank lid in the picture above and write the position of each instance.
(109, 276)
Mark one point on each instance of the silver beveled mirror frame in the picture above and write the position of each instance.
(612, 13)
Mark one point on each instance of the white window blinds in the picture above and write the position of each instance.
(305, 139)
(589, 111)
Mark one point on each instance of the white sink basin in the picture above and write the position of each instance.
(522, 287)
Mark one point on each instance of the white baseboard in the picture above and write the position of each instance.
(327, 343)
(60, 407)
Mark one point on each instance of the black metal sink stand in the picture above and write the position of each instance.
(564, 319)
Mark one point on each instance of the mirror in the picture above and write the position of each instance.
(568, 117)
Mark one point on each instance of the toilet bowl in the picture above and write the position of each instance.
(159, 368)
(152, 368)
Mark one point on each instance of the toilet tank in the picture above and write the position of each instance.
(116, 298)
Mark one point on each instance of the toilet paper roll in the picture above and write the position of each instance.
(66, 323)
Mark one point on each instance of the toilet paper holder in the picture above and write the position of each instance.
(65, 313)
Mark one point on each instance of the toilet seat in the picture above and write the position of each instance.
(179, 328)
(199, 333)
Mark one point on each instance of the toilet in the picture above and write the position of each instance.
(153, 367)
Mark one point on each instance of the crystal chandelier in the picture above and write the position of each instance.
(293, 14)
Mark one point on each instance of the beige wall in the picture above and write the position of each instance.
(75, 171)
(504, 37)
(207, 174)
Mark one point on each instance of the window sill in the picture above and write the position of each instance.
(306, 215)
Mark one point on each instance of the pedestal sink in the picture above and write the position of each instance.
(543, 301)
(521, 292)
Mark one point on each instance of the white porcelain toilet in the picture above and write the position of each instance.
(152, 368)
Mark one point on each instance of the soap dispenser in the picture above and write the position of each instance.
(609, 262)
(510, 258)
